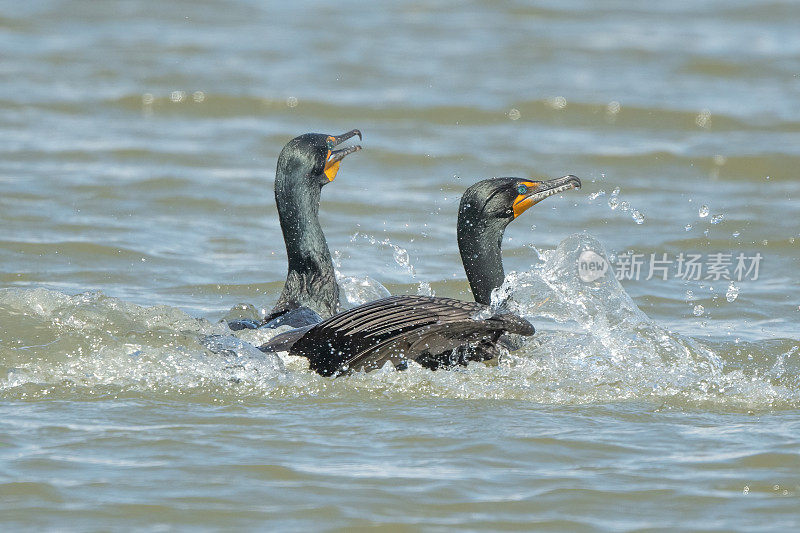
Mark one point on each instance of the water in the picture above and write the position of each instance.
(137, 155)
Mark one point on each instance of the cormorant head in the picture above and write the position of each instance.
(313, 158)
(486, 209)
(496, 202)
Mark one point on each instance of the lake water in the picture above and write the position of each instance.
(138, 143)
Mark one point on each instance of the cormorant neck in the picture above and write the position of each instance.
(305, 242)
(479, 243)
(310, 280)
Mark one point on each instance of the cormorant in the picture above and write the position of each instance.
(434, 331)
(305, 165)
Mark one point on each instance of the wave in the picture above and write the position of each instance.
(554, 110)
(594, 345)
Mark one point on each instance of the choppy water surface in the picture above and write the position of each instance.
(137, 154)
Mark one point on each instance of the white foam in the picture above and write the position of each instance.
(593, 344)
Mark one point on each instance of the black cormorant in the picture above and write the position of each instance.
(310, 293)
(434, 331)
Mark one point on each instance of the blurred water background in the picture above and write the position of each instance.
(138, 142)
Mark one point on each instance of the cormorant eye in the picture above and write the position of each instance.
(522, 189)
(331, 144)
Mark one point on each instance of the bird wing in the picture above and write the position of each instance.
(283, 342)
(399, 328)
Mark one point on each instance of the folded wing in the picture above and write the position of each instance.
(430, 330)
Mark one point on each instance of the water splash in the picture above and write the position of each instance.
(400, 256)
(91, 345)
(595, 195)
(732, 293)
(613, 200)
(602, 347)
(425, 289)
(355, 291)
(614, 203)
(593, 345)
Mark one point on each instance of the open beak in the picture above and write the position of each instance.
(335, 157)
(539, 190)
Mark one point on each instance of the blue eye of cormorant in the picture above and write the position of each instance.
(522, 189)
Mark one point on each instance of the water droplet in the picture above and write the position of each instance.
(698, 310)
(732, 292)
(597, 194)
(716, 219)
(401, 256)
(719, 160)
(613, 202)
(198, 96)
(291, 101)
(703, 211)
(703, 119)
(688, 227)
(177, 96)
(148, 98)
(425, 289)
(613, 108)
(637, 216)
(559, 102)
(514, 114)
(689, 294)
(736, 233)
(624, 206)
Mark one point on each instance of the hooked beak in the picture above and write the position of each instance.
(539, 190)
(335, 157)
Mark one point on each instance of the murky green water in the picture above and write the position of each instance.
(137, 153)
